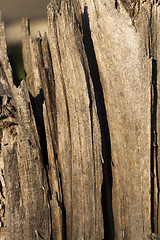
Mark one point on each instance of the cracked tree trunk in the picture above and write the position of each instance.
(80, 137)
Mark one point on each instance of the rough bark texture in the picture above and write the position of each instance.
(80, 137)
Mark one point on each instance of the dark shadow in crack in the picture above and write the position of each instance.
(105, 135)
(154, 150)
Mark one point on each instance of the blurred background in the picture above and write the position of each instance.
(12, 12)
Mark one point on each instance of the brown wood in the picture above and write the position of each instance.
(24, 173)
(126, 76)
(79, 138)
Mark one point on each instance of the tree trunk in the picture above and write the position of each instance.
(80, 136)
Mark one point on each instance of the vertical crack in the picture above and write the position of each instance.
(154, 152)
(105, 135)
(48, 86)
(116, 4)
(62, 207)
(37, 106)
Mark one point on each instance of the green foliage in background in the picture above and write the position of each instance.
(15, 57)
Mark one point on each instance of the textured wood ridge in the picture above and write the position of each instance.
(24, 173)
(79, 137)
(126, 56)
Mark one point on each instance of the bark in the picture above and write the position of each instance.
(80, 137)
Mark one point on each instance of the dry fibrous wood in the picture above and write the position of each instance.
(72, 124)
(79, 138)
(79, 152)
(127, 52)
(22, 164)
(126, 75)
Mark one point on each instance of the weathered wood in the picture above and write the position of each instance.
(24, 172)
(155, 158)
(72, 127)
(123, 49)
(130, 84)
(80, 139)
(41, 70)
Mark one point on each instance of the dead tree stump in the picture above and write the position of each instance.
(79, 136)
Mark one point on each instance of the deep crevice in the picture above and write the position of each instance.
(61, 183)
(116, 4)
(105, 135)
(37, 106)
(154, 150)
(62, 207)
(49, 93)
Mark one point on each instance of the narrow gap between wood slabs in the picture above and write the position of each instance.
(105, 135)
(63, 209)
(154, 150)
(37, 106)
